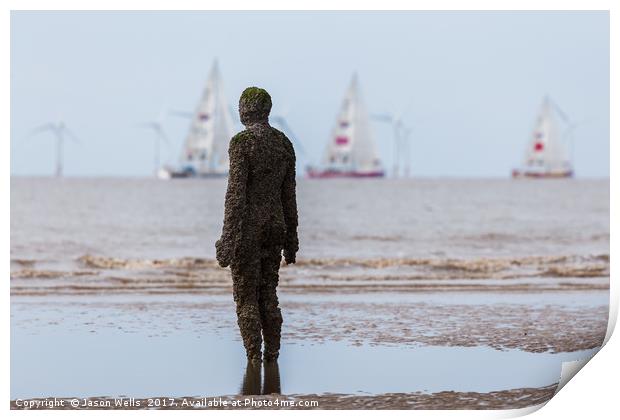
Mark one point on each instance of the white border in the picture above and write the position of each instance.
(591, 394)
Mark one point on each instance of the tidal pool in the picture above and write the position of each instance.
(108, 363)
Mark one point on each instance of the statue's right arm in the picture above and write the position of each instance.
(234, 207)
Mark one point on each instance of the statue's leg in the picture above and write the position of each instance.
(246, 279)
(271, 317)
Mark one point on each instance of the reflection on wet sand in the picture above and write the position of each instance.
(252, 379)
(272, 378)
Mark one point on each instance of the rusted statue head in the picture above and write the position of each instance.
(254, 106)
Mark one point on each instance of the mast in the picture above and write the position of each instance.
(351, 146)
(396, 129)
(545, 150)
(156, 155)
(223, 129)
(206, 145)
(59, 147)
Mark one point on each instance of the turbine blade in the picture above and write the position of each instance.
(405, 110)
(382, 117)
(162, 134)
(281, 121)
(234, 114)
(284, 111)
(561, 113)
(177, 113)
(162, 114)
(72, 135)
(41, 128)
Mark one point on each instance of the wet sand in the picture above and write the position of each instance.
(90, 274)
(537, 304)
(396, 323)
(529, 327)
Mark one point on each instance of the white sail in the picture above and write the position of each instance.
(206, 146)
(351, 146)
(545, 152)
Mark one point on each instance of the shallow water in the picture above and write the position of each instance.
(29, 305)
(402, 286)
(59, 220)
(112, 364)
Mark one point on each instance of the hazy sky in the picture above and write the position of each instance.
(474, 81)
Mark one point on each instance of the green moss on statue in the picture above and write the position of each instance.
(254, 105)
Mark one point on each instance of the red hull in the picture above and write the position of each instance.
(315, 174)
(519, 174)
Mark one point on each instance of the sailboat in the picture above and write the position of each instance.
(350, 151)
(545, 156)
(205, 152)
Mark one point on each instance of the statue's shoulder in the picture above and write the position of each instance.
(288, 145)
(241, 140)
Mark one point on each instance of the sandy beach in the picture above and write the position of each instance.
(147, 316)
(484, 312)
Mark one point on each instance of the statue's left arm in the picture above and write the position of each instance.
(234, 207)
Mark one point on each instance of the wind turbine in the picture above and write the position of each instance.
(401, 138)
(182, 114)
(406, 132)
(571, 126)
(157, 127)
(280, 121)
(60, 131)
